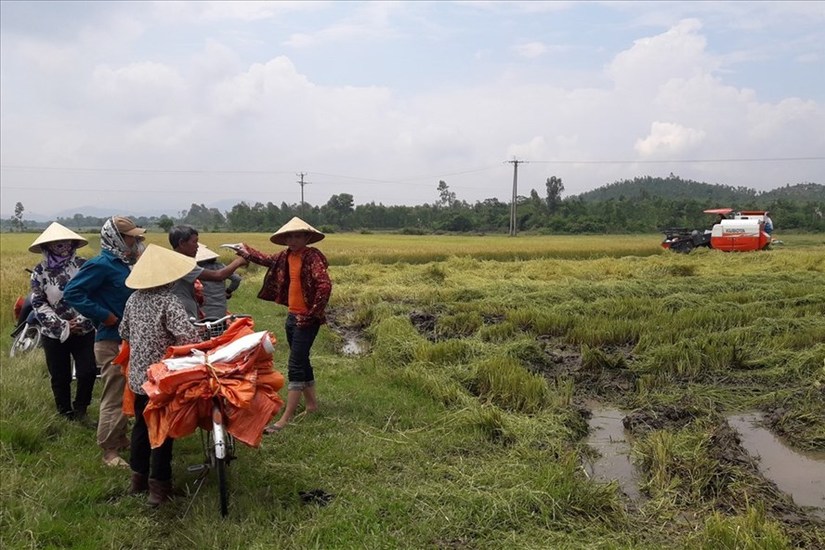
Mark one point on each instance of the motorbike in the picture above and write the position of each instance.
(26, 333)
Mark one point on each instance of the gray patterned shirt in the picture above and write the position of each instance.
(153, 320)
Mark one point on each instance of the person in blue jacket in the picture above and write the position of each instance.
(98, 292)
(768, 223)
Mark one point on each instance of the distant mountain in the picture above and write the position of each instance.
(98, 212)
(798, 192)
(675, 188)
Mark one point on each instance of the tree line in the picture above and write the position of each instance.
(641, 205)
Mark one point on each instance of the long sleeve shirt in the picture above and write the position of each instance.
(153, 320)
(51, 310)
(98, 289)
(315, 282)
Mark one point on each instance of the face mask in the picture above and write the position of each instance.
(136, 250)
(60, 249)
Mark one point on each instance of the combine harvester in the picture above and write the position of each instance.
(734, 232)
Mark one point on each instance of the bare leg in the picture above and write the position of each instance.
(310, 401)
(293, 398)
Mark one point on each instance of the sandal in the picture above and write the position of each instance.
(115, 462)
(271, 429)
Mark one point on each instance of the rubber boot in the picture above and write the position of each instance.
(159, 491)
(139, 484)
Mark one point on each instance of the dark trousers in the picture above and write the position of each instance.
(59, 356)
(156, 463)
(300, 341)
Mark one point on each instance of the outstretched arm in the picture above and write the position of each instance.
(255, 256)
(223, 273)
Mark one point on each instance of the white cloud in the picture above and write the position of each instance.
(209, 101)
(141, 90)
(370, 22)
(237, 10)
(677, 53)
(530, 50)
(40, 55)
(669, 139)
(161, 132)
(251, 91)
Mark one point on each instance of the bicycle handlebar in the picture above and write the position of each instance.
(210, 322)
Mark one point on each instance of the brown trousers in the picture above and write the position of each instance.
(112, 423)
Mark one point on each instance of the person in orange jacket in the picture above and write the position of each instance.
(297, 278)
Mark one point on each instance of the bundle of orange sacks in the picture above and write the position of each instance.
(180, 400)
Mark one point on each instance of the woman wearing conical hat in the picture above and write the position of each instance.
(99, 293)
(297, 278)
(153, 319)
(66, 334)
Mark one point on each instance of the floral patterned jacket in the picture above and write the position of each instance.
(315, 281)
(52, 312)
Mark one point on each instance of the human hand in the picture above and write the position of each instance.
(111, 320)
(235, 246)
(228, 295)
(75, 326)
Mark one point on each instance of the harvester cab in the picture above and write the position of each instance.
(732, 232)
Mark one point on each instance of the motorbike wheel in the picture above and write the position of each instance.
(26, 340)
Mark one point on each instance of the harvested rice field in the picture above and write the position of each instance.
(485, 392)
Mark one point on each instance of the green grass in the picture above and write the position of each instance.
(468, 434)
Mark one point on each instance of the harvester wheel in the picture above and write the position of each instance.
(683, 247)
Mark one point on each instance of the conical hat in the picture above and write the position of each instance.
(296, 225)
(56, 232)
(159, 266)
(205, 253)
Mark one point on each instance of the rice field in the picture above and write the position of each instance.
(461, 421)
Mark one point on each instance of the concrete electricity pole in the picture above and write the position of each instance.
(513, 224)
(301, 182)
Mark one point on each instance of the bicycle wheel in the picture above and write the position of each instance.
(26, 340)
(221, 455)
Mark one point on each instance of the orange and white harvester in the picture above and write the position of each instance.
(734, 232)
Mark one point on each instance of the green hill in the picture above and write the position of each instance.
(676, 188)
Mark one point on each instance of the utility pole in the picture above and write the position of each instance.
(513, 225)
(301, 182)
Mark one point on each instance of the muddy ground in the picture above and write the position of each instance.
(605, 375)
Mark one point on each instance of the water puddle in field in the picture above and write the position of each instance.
(353, 346)
(609, 437)
(798, 473)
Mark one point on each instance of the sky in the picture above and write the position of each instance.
(145, 108)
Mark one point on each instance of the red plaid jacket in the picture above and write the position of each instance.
(315, 281)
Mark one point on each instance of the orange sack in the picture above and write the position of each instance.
(122, 359)
(181, 386)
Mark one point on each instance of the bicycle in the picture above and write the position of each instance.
(218, 444)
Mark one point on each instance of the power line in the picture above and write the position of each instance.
(359, 179)
(679, 161)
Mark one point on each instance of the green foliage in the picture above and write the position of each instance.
(670, 459)
(499, 332)
(642, 205)
(446, 352)
(396, 342)
(460, 325)
(748, 531)
(505, 383)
